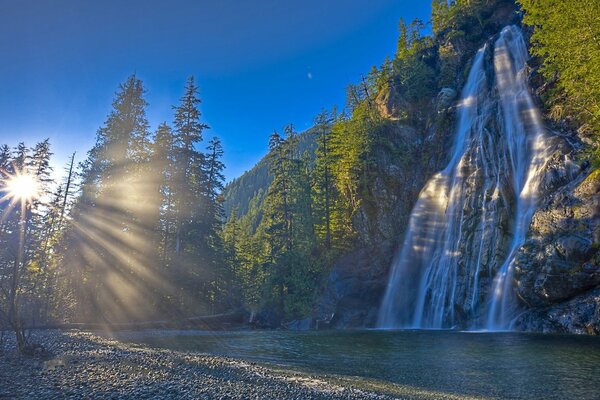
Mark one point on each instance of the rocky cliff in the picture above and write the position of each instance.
(557, 269)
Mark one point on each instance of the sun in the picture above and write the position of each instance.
(23, 187)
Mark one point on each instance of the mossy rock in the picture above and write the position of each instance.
(590, 185)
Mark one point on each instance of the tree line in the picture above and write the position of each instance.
(133, 234)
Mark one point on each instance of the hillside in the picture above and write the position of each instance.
(252, 185)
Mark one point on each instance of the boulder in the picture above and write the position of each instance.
(561, 257)
(389, 103)
(299, 324)
(266, 318)
(445, 98)
(580, 315)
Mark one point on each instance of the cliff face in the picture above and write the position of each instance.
(557, 269)
(408, 154)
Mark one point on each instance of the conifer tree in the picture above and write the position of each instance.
(112, 209)
(323, 183)
(566, 37)
(163, 166)
(189, 162)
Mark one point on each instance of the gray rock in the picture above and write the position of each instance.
(445, 98)
(580, 315)
(300, 325)
(558, 267)
(390, 104)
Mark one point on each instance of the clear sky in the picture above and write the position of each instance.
(260, 64)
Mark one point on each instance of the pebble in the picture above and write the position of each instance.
(84, 365)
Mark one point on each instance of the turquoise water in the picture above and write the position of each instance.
(495, 365)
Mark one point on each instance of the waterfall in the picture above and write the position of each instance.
(455, 265)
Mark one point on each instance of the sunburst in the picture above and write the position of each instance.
(20, 187)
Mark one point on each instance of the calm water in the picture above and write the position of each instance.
(497, 365)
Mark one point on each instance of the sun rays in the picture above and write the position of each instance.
(24, 187)
(20, 186)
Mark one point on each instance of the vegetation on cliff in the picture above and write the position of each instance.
(566, 37)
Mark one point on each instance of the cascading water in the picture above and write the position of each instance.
(456, 261)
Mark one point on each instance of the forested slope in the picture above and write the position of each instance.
(252, 185)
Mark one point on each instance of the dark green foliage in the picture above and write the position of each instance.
(413, 67)
(163, 168)
(273, 243)
(287, 222)
(252, 185)
(566, 37)
(324, 190)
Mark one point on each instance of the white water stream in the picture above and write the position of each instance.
(455, 265)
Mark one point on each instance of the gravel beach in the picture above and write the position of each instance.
(85, 365)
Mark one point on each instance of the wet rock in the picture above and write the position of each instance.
(300, 325)
(445, 98)
(580, 315)
(266, 318)
(560, 261)
(575, 247)
(560, 168)
(354, 288)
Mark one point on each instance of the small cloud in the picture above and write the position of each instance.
(309, 75)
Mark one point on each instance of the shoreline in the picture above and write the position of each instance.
(85, 365)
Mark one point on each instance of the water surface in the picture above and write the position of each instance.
(494, 365)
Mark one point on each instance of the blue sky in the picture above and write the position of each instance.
(260, 64)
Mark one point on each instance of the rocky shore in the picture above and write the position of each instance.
(83, 365)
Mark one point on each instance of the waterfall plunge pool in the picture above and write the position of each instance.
(503, 365)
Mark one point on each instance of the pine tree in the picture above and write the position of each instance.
(213, 169)
(189, 162)
(566, 38)
(230, 236)
(163, 166)
(16, 218)
(287, 227)
(323, 183)
(110, 217)
(278, 215)
(213, 172)
(197, 207)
